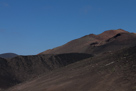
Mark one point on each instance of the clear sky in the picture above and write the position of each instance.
(28, 27)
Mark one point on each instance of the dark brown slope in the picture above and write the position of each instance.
(7, 79)
(115, 71)
(22, 68)
(91, 43)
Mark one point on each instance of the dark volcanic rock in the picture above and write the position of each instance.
(115, 71)
(7, 79)
(22, 68)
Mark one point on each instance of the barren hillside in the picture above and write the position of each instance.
(109, 40)
(115, 71)
(104, 62)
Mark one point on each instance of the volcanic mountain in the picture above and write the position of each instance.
(104, 62)
(115, 71)
(95, 44)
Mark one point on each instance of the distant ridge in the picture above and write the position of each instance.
(134, 33)
(8, 55)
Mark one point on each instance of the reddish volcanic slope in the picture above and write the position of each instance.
(92, 43)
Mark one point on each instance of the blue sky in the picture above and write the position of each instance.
(28, 27)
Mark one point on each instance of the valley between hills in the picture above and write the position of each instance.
(103, 62)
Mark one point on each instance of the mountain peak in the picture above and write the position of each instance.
(114, 31)
(110, 33)
(93, 43)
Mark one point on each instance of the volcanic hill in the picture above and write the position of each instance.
(104, 62)
(115, 71)
(95, 44)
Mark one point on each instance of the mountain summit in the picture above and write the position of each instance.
(92, 43)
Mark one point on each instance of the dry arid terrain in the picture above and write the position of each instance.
(104, 62)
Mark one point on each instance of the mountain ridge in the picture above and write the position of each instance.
(103, 62)
(21, 68)
(114, 71)
(81, 45)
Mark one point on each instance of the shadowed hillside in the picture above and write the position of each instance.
(7, 79)
(22, 68)
(115, 71)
